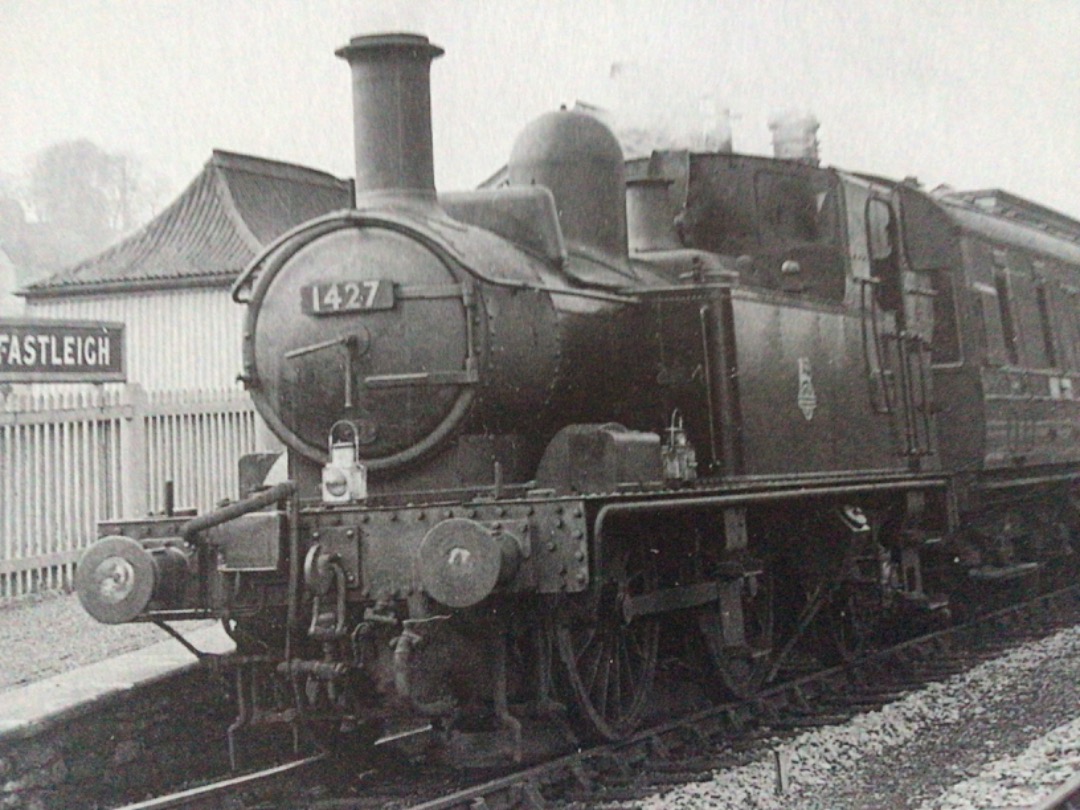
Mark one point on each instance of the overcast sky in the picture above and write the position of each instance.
(974, 93)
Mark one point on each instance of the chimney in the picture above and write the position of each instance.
(392, 113)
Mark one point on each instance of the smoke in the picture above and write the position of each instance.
(794, 135)
(649, 109)
(384, 16)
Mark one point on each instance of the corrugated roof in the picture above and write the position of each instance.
(236, 204)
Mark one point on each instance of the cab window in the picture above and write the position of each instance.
(794, 208)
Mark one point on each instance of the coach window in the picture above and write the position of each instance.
(1072, 319)
(980, 268)
(1005, 311)
(1046, 326)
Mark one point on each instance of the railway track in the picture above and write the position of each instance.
(1067, 798)
(678, 751)
(231, 789)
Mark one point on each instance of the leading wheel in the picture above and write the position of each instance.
(608, 662)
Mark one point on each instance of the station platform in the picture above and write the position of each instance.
(41, 706)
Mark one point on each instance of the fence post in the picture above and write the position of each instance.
(133, 474)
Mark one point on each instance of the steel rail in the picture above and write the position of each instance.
(184, 798)
(1067, 797)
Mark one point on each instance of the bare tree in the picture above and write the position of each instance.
(79, 187)
(67, 190)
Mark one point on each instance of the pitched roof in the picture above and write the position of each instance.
(235, 206)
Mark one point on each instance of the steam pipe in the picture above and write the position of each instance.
(262, 500)
(403, 649)
(276, 493)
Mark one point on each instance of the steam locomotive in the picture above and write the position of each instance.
(541, 436)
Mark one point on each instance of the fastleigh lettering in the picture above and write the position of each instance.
(37, 347)
(52, 350)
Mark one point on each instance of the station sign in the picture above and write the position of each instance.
(44, 350)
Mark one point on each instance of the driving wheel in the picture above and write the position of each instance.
(608, 662)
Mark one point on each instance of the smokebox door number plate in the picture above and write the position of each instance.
(347, 296)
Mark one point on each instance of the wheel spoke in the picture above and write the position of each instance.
(626, 665)
(633, 645)
(596, 657)
(586, 644)
(610, 665)
(601, 692)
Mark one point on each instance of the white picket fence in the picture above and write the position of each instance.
(69, 460)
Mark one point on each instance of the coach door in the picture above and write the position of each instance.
(896, 314)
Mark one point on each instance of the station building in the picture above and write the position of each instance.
(168, 283)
